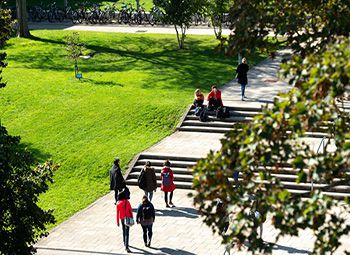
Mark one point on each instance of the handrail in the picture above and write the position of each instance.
(318, 150)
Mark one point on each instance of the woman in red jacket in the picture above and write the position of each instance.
(167, 185)
(214, 98)
(124, 211)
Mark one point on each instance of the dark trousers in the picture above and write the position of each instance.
(170, 196)
(125, 234)
(147, 229)
(214, 103)
(243, 89)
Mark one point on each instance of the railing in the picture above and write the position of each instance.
(318, 151)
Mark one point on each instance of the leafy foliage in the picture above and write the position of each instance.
(306, 25)
(22, 221)
(74, 48)
(5, 30)
(215, 9)
(179, 13)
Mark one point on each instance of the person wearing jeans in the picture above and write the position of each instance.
(146, 216)
(124, 210)
(242, 71)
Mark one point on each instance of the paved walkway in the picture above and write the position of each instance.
(124, 28)
(178, 230)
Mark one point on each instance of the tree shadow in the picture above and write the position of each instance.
(178, 212)
(163, 251)
(37, 154)
(101, 83)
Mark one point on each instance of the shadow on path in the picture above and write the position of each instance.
(75, 251)
(162, 250)
(178, 212)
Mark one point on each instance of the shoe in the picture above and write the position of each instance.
(127, 250)
(242, 98)
(245, 97)
(171, 204)
(146, 244)
(149, 243)
(167, 206)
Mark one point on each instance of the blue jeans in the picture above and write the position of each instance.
(149, 195)
(125, 234)
(243, 89)
(147, 228)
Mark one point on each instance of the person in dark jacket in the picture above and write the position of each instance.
(150, 180)
(242, 71)
(116, 178)
(214, 98)
(146, 216)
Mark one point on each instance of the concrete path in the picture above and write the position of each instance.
(178, 230)
(117, 28)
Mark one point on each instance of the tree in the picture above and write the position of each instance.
(22, 221)
(179, 13)
(22, 17)
(216, 10)
(306, 25)
(74, 49)
(318, 33)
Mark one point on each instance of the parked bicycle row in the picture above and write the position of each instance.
(93, 14)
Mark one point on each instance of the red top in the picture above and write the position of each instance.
(216, 95)
(171, 187)
(199, 97)
(123, 210)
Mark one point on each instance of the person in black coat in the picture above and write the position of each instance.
(116, 178)
(242, 71)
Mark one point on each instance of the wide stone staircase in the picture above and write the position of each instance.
(183, 175)
(238, 115)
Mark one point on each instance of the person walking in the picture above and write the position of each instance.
(242, 71)
(149, 180)
(116, 179)
(146, 216)
(124, 211)
(168, 186)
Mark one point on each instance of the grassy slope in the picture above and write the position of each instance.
(134, 90)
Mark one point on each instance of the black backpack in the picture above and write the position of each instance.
(147, 212)
(141, 181)
(203, 117)
(220, 113)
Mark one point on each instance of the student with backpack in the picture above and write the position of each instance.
(148, 180)
(168, 186)
(125, 215)
(146, 216)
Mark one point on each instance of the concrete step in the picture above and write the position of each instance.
(170, 157)
(178, 184)
(197, 123)
(204, 129)
(177, 177)
(177, 170)
(232, 113)
(159, 162)
(229, 119)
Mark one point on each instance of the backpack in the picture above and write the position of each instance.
(203, 117)
(226, 112)
(220, 113)
(198, 111)
(166, 181)
(141, 181)
(147, 212)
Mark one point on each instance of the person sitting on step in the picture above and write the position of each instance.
(214, 99)
(198, 98)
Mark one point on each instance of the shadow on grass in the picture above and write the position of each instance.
(38, 155)
(101, 83)
(169, 68)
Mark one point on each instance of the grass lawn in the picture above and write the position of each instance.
(134, 90)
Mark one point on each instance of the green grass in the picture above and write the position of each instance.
(134, 90)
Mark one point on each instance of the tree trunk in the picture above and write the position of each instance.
(137, 5)
(178, 37)
(183, 35)
(22, 17)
